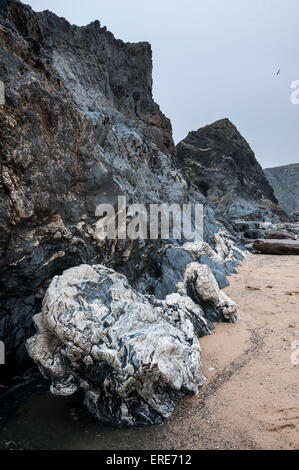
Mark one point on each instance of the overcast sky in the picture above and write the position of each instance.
(213, 59)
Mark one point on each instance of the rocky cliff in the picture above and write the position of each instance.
(285, 182)
(219, 161)
(79, 127)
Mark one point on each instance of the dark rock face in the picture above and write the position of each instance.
(277, 235)
(219, 161)
(254, 234)
(285, 182)
(133, 355)
(79, 128)
(295, 215)
(118, 74)
(277, 247)
(244, 225)
(217, 269)
(71, 114)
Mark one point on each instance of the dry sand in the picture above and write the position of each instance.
(251, 399)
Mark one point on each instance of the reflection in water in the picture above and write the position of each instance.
(45, 422)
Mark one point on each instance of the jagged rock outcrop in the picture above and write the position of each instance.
(133, 355)
(200, 284)
(79, 128)
(285, 182)
(219, 161)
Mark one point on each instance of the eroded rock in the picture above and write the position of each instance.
(278, 235)
(219, 161)
(133, 355)
(254, 234)
(200, 284)
(277, 247)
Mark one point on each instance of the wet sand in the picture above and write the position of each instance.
(250, 400)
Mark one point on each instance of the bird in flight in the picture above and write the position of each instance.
(278, 72)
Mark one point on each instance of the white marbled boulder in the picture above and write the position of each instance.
(132, 354)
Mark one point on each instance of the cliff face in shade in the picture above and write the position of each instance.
(79, 128)
(219, 161)
(100, 70)
(285, 182)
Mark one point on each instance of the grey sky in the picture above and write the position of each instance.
(213, 59)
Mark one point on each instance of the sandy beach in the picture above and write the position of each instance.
(250, 400)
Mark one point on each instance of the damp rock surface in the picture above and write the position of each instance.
(277, 247)
(131, 354)
(201, 285)
(222, 165)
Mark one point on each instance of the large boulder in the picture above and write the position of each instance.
(277, 247)
(200, 284)
(278, 235)
(133, 355)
